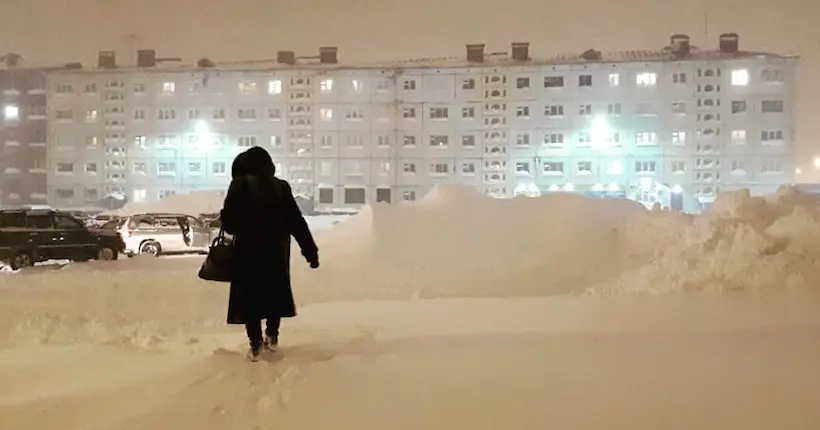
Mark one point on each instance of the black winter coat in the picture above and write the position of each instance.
(262, 215)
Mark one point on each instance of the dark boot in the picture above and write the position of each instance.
(272, 334)
(254, 331)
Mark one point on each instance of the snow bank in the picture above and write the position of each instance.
(194, 203)
(742, 242)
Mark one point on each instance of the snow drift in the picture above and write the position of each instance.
(742, 242)
(454, 243)
(195, 203)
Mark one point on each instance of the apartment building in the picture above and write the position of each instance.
(23, 128)
(674, 125)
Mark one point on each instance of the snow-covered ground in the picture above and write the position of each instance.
(455, 312)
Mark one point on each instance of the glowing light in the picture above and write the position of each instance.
(599, 130)
(613, 187)
(11, 112)
(569, 187)
(817, 162)
(204, 137)
(597, 187)
(201, 127)
(798, 171)
(677, 189)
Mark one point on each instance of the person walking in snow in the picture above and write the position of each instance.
(261, 214)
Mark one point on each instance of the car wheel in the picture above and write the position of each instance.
(107, 254)
(21, 260)
(152, 248)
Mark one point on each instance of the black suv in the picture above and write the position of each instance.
(31, 235)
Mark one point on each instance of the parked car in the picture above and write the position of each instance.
(28, 236)
(161, 233)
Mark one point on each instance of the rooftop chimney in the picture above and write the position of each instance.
(521, 51)
(107, 60)
(146, 58)
(592, 55)
(286, 57)
(328, 55)
(679, 44)
(205, 63)
(475, 53)
(11, 59)
(729, 43)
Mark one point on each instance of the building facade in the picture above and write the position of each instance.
(673, 126)
(23, 133)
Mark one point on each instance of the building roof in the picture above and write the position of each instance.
(501, 59)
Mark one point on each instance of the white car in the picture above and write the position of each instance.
(162, 233)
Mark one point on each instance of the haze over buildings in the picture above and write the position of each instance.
(395, 43)
(672, 125)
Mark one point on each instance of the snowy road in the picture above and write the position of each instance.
(529, 364)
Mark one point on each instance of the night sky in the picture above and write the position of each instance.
(49, 31)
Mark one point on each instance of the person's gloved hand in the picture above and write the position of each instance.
(312, 258)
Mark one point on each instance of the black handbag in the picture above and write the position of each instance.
(219, 264)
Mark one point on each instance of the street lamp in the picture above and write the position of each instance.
(599, 130)
(204, 137)
(11, 112)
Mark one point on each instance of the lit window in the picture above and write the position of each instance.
(169, 87)
(91, 115)
(247, 87)
(646, 79)
(326, 114)
(140, 142)
(357, 86)
(614, 79)
(740, 77)
(326, 86)
(738, 135)
(679, 137)
(11, 112)
(139, 195)
(275, 87)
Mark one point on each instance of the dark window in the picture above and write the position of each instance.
(325, 195)
(12, 219)
(553, 81)
(111, 225)
(355, 196)
(166, 222)
(38, 221)
(383, 195)
(66, 222)
(585, 81)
